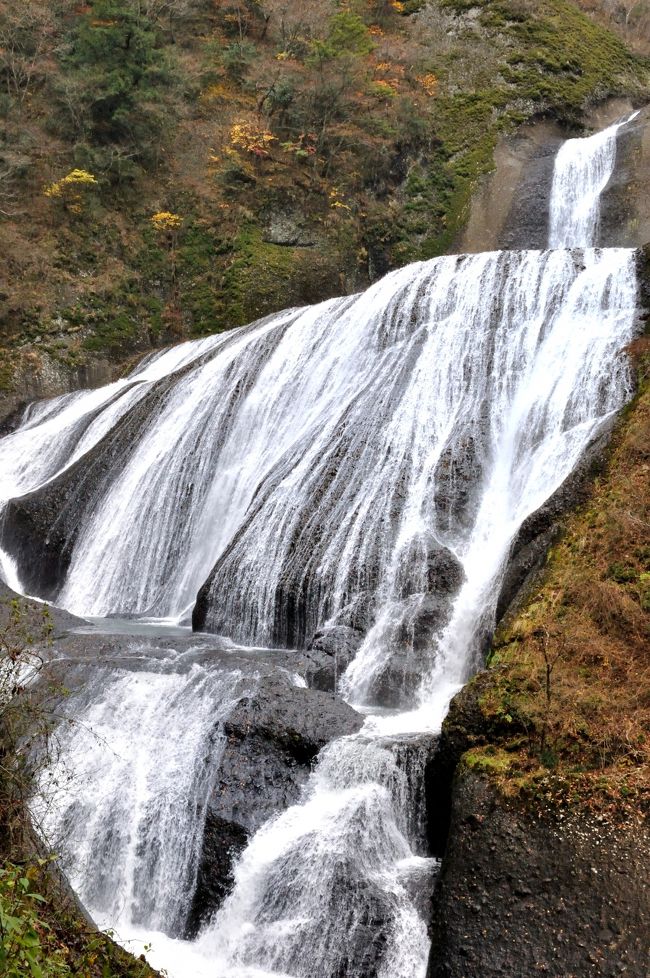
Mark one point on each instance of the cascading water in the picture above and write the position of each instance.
(342, 465)
(55, 433)
(131, 820)
(583, 168)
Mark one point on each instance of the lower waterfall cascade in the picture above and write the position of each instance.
(366, 464)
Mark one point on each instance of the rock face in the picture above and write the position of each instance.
(625, 204)
(35, 619)
(37, 375)
(270, 741)
(510, 209)
(524, 893)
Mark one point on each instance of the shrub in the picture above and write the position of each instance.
(24, 934)
(72, 190)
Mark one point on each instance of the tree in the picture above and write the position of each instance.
(118, 65)
(72, 190)
(167, 225)
(347, 35)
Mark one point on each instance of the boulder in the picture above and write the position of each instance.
(270, 740)
(336, 647)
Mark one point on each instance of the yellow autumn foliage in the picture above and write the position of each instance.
(71, 189)
(429, 83)
(166, 221)
(251, 138)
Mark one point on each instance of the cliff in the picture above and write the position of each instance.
(548, 856)
(301, 152)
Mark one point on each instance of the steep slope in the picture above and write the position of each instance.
(300, 153)
(551, 747)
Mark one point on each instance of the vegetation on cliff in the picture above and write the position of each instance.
(562, 715)
(305, 148)
(43, 932)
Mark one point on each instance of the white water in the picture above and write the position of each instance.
(329, 453)
(583, 168)
(129, 825)
(56, 433)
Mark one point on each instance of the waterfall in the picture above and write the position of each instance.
(583, 168)
(55, 433)
(127, 815)
(365, 463)
(319, 461)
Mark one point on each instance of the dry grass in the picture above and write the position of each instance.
(574, 676)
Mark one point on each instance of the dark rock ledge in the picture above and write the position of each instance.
(527, 892)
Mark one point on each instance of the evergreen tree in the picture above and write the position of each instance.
(119, 67)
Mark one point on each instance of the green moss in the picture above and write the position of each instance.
(263, 277)
(117, 323)
(488, 760)
(198, 257)
(559, 58)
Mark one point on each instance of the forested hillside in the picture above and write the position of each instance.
(170, 168)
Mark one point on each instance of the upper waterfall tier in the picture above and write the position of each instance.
(583, 168)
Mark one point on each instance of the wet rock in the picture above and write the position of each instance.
(457, 477)
(418, 626)
(40, 529)
(427, 567)
(269, 743)
(625, 204)
(272, 737)
(336, 647)
(537, 532)
(359, 613)
(223, 842)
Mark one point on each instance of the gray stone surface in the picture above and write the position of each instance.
(510, 208)
(523, 893)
